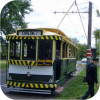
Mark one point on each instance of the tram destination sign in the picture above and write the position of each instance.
(29, 32)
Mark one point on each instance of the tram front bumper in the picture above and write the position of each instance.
(31, 85)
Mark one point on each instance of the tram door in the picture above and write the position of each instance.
(58, 61)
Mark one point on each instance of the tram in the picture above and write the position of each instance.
(39, 59)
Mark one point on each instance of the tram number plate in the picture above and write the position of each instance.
(28, 67)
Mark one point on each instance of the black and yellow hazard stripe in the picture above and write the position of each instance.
(31, 63)
(31, 85)
(22, 62)
(33, 37)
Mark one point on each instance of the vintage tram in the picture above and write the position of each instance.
(39, 59)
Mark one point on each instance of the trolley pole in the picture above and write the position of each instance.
(89, 33)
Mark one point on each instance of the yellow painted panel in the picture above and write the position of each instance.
(23, 84)
(31, 85)
(18, 84)
(51, 85)
(46, 85)
(14, 83)
(41, 85)
(36, 85)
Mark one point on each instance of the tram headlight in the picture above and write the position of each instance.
(28, 74)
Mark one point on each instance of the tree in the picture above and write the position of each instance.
(82, 51)
(82, 48)
(97, 33)
(74, 40)
(13, 14)
(98, 48)
(98, 13)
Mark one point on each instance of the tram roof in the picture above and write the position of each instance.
(48, 31)
(57, 31)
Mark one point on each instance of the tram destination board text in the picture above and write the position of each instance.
(29, 32)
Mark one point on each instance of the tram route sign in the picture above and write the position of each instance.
(29, 32)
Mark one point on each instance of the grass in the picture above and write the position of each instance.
(3, 64)
(76, 88)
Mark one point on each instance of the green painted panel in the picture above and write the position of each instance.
(71, 65)
(37, 78)
(63, 67)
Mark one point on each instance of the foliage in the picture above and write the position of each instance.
(97, 33)
(3, 64)
(98, 48)
(13, 14)
(3, 47)
(74, 41)
(82, 49)
(98, 13)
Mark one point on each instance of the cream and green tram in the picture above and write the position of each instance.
(39, 59)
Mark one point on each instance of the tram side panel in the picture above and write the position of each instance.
(71, 65)
(63, 67)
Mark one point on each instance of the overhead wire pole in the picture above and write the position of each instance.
(89, 33)
(65, 14)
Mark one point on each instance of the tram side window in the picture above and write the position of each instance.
(45, 49)
(58, 47)
(72, 52)
(14, 49)
(64, 50)
(29, 50)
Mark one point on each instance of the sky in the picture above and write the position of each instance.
(43, 17)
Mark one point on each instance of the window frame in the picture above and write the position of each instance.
(51, 49)
(14, 57)
(27, 58)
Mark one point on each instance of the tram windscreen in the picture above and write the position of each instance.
(45, 49)
(29, 49)
(15, 49)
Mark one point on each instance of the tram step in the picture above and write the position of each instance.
(59, 89)
(32, 91)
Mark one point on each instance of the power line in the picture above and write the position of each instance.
(81, 19)
(70, 12)
(65, 14)
(73, 24)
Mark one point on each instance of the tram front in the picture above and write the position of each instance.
(30, 58)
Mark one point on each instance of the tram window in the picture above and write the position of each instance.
(25, 49)
(64, 50)
(72, 52)
(58, 47)
(29, 49)
(45, 49)
(15, 49)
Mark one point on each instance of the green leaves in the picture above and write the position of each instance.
(97, 33)
(13, 14)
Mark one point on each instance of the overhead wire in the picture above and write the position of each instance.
(81, 19)
(65, 14)
(73, 24)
